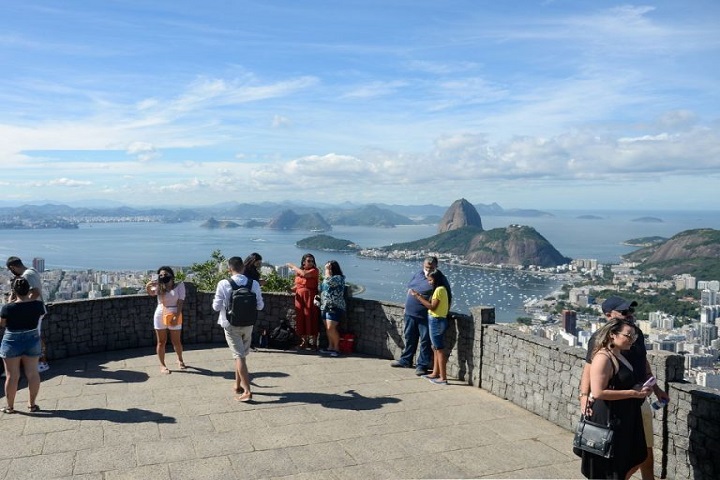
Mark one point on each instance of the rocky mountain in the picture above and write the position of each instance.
(513, 245)
(696, 252)
(289, 220)
(461, 234)
(460, 214)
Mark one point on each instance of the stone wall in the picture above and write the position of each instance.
(544, 377)
(692, 428)
(536, 374)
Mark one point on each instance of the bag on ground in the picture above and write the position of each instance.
(242, 309)
(283, 337)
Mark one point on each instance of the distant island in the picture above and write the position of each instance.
(589, 217)
(648, 220)
(211, 223)
(328, 244)
(644, 241)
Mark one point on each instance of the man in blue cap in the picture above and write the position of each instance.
(615, 307)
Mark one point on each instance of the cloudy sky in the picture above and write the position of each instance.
(531, 104)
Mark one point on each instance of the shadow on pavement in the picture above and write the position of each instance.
(351, 401)
(131, 415)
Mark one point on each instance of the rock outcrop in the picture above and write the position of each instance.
(513, 245)
(696, 252)
(460, 214)
(289, 220)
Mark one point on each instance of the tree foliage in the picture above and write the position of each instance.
(207, 274)
(276, 283)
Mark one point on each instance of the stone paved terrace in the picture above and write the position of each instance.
(114, 416)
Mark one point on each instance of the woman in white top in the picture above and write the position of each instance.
(168, 314)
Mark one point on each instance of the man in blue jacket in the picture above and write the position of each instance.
(416, 320)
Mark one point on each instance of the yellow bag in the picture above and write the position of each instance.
(171, 319)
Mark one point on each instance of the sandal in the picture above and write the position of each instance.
(8, 410)
(245, 397)
(33, 408)
(181, 365)
(165, 370)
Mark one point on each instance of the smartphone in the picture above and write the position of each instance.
(649, 383)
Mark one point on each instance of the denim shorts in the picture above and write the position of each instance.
(438, 326)
(334, 315)
(18, 344)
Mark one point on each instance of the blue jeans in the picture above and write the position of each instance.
(416, 331)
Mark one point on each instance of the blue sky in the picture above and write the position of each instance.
(531, 104)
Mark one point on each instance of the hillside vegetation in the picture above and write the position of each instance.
(696, 252)
(515, 245)
(327, 243)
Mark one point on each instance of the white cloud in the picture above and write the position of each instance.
(375, 89)
(144, 152)
(280, 121)
(66, 182)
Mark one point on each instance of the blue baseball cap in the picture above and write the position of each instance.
(618, 304)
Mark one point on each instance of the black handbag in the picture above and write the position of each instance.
(594, 438)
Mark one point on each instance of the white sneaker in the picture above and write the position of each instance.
(43, 366)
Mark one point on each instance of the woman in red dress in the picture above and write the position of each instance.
(307, 276)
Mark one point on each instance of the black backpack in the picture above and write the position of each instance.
(283, 337)
(242, 309)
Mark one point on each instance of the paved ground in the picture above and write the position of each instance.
(115, 416)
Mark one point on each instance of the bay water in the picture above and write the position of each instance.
(145, 246)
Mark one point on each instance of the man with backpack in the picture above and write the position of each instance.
(238, 299)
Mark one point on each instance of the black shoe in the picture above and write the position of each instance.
(397, 364)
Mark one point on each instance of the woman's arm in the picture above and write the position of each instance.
(151, 288)
(301, 272)
(601, 371)
(425, 303)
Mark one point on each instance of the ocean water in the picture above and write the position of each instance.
(143, 246)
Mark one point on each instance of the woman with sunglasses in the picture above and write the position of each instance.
(614, 400)
(307, 277)
(168, 314)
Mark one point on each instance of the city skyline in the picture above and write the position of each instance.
(530, 104)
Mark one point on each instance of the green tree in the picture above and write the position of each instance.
(524, 320)
(276, 283)
(207, 274)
